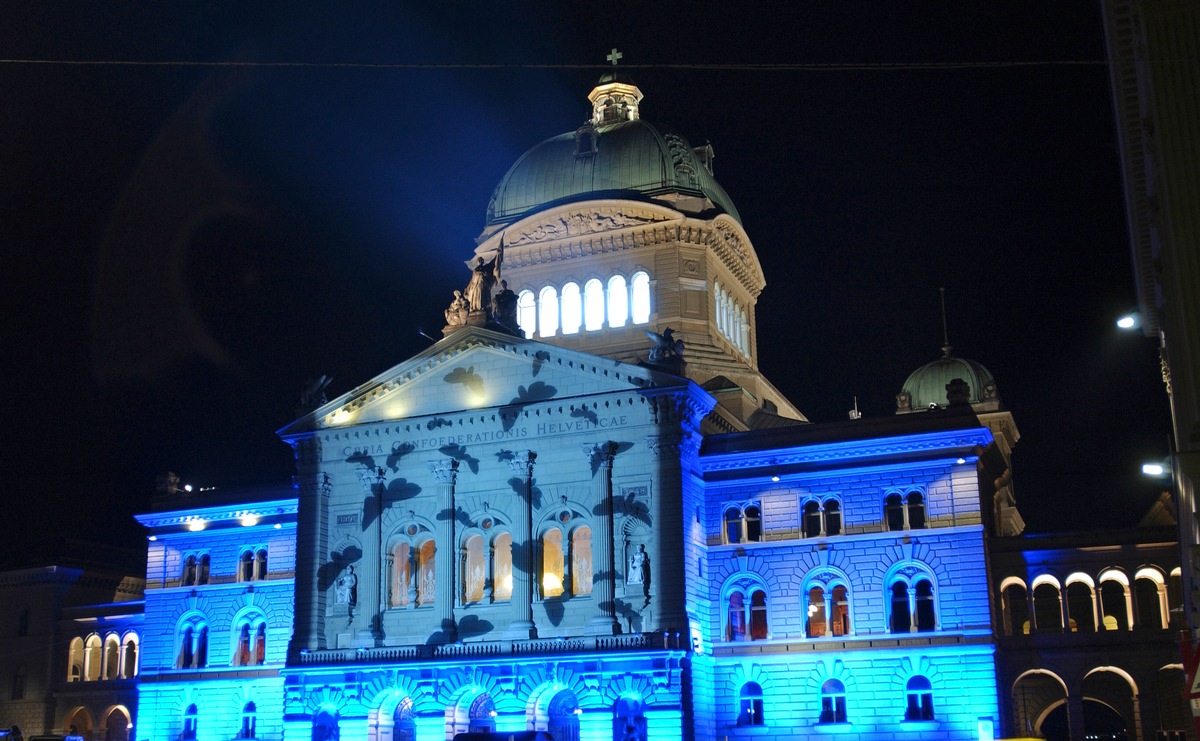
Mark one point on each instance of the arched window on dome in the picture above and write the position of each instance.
(593, 305)
(641, 297)
(618, 301)
(548, 312)
(719, 306)
(572, 308)
(743, 331)
(526, 313)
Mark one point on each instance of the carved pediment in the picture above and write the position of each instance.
(578, 223)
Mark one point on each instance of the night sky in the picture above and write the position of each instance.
(185, 245)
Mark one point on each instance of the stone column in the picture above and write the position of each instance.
(522, 626)
(1075, 715)
(370, 578)
(604, 618)
(311, 551)
(446, 473)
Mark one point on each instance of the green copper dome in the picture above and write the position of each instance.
(616, 154)
(927, 384)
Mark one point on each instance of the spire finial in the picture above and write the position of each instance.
(614, 56)
(945, 333)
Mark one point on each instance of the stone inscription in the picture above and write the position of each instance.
(542, 429)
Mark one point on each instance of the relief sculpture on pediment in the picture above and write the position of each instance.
(578, 224)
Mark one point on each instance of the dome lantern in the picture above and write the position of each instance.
(615, 98)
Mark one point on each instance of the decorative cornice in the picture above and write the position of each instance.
(830, 452)
(220, 513)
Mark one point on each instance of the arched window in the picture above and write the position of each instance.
(260, 564)
(1150, 596)
(1175, 599)
(201, 652)
(548, 312)
(641, 298)
(246, 566)
(919, 695)
(816, 622)
(912, 604)
(93, 658)
(618, 301)
(242, 655)
(400, 558)
(526, 313)
(260, 645)
(833, 517)
(129, 658)
(474, 570)
(904, 512)
(719, 306)
(552, 563)
(828, 612)
(404, 721)
(743, 332)
(1016, 609)
(743, 523)
(593, 305)
(325, 727)
(1047, 608)
(746, 616)
(1081, 607)
(193, 646)
(581, 560)
(112, 657)
(750, 705)
(191, 722)
(18, 685)
(833, 702)
(502, 580)
(249, 721)
(822, 518)
(562, 716)
(572, 308)
(75, 661)
(1114, 601)
(813, 527)
(482, 715)
(188, 578)
(426, 573)
(203, 570)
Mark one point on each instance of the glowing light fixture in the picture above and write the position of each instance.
(152, 538)
(278, 526)
(961, 461)
(775, 479)
(187, 487)
(1154, 469)
(1132, 320)
(197, 525)
(249, 521)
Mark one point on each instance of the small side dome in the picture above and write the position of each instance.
(928, 385)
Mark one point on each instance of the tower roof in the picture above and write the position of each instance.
(615, 154)
(927, 384)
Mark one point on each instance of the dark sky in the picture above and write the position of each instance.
(185, 245)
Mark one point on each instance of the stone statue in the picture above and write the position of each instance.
(456, 314)
(313, 394)
(665, 345)
(504, 307)
(479, 290)
(637, 566)
(347, 588)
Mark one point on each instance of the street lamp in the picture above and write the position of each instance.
(1132, 320)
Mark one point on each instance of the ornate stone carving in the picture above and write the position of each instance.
(600, 454)
(521, 464)
(663, 446)
(456, 313)
(444, 471)
(578, 224)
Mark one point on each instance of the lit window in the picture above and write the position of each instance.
(1047, 608)
(833, 702)
(426, 574)
(821, 518)
(750, 705)
(618, 301)
(552, 563)
(75, 661)
(572, 308)
(526, 313)
(93, 658)
(919, 695)
(746, 616)
(641, 298)
(502, 580)
(473, 573)
(401, 570)
(548, 312)
(581, 561)
(828, 613)
(593, 305)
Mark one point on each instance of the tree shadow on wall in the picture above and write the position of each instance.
(460, 516)
(459, 453)
(393, 492)
(466, 377)
(398, 452)
(537, 391)
(627, 504)
(540, 358)
(621, 448)
(582, 412)
(556, 608)
(535, 494)
(329, 572)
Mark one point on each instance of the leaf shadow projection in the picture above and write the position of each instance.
(629, 615)
(629, 505)
(521, 561)
(362, 459)
(437, 422)
(460, 516)
(556, 608)
(329, 572)
(460, 454)
(466, 377)
(585, 413)
(621, 448)
(396, 490)
(535, 494)
(540, 358)
(537, 391)
(398, 452)
(471, 627)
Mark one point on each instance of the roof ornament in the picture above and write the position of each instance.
(615, 98)
(945, 333)
(615, 56)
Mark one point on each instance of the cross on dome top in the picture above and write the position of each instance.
(614, 56)
(615, 98)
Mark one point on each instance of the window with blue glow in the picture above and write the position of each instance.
(821, 518)
(919, 699)
(193, 645)
(249, 727)
(912, 604)
(904, 511)
(827, 614)
(191, 722)
(833, 702)
(750, 705)
(743, 523)
(746, 614)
